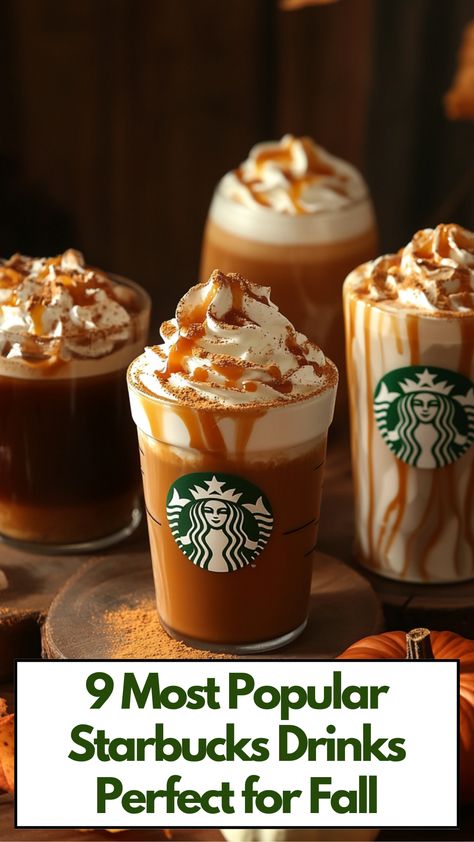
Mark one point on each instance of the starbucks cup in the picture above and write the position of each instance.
(410, 358)
(232, 414)
(233, 508)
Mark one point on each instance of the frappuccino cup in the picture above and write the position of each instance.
(297, 218)
(409, 321)
(232, 414)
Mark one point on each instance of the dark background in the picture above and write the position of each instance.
(119, 116)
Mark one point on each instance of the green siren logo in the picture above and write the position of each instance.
(425, 414)
(221, 522)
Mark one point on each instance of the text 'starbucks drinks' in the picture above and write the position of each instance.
(410, 356)
(232, 414)
(298, 219)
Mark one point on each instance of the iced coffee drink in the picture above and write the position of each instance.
(232, 413)
(69, 476)
(298, 219)
(410, 358)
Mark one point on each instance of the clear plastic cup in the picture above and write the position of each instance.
(233, 503)
(412, 427)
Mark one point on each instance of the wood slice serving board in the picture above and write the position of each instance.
(29, 583)
(107, 610)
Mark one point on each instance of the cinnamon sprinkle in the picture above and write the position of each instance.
(135, 632)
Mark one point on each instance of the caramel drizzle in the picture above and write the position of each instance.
(282, 156)
(398, 336)
(414, 538)
(36, 313)
(370, 428)
(397, 504)
(202, 425)
(350, 310)
(413, 337)
(439, 524)
(80, 285)
(443, 503)
(187, 343)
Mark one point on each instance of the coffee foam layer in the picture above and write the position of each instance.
(230, 347)
(294, 176)
(54, 368)
(272, 430)
(81, 312)
(433, 275)
(292, 191)
(266, 226)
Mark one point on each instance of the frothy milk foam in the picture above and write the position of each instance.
(248, 363)
(61, 319)
(297, 194)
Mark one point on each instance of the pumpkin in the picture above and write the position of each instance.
(7, 752)
(420, 644)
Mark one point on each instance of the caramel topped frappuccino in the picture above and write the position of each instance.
(232, 413)
(410, 356)
(298, 219)
(67, 334)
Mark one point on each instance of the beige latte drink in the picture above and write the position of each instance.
(232, 414)
(298, 219)
(410, 357)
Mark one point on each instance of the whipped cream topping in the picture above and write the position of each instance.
(61, 303)
(293, 176)
(433, 273)
(230, 346)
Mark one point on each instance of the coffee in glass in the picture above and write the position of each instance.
(69, 477)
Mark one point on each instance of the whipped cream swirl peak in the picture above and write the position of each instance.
(294, 176)
(229, 346)
(79, 311)
(434, 273)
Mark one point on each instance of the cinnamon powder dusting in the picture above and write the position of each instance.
(136, 632)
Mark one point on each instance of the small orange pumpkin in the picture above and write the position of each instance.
(421, 644)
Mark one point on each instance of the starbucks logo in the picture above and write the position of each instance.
(219, 521)
(425, 414)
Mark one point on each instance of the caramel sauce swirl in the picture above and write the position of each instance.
(433, 274)
(230, 346)
(80, 310)
(294, 176)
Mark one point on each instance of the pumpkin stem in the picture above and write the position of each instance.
(419, 645)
